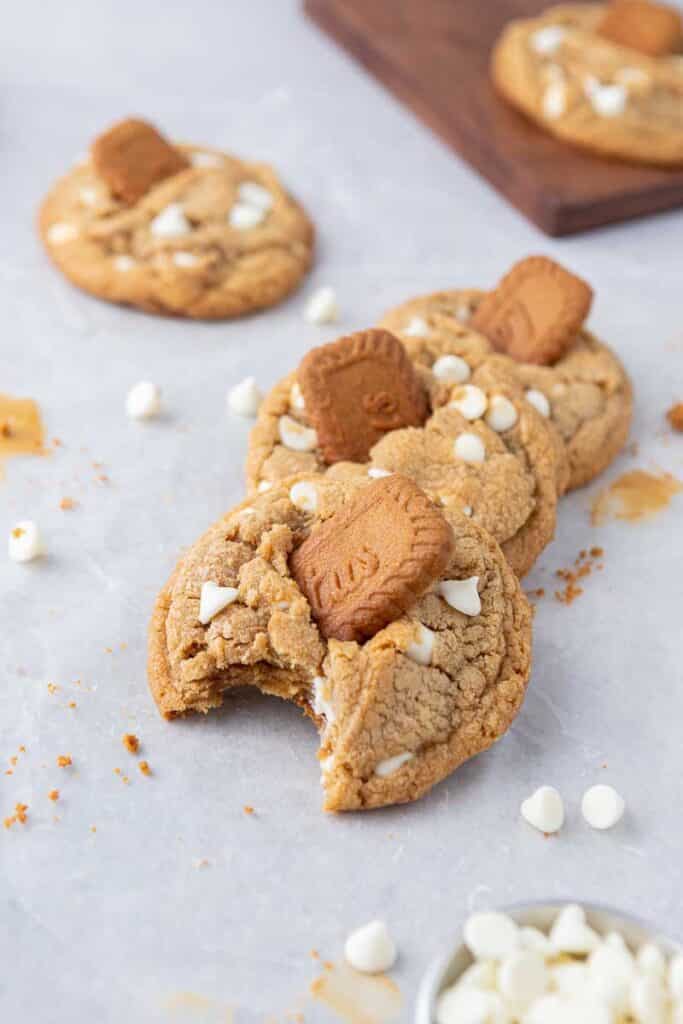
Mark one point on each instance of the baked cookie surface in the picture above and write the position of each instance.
(214, 237)
(585, 395)
(500, 468)
(396, 713)
(571, 71)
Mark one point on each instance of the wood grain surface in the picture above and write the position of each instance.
(433, 55)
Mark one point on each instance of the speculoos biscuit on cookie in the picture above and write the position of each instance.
(442, 654)
(473, 445)
(604, 77)
(581, 388)
(175, 229)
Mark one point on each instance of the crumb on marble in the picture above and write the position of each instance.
(130, 742)
(64, 761)
(675, 416)
(53, 795)
(66, 504)
(144, 767)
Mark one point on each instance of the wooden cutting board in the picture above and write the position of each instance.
(433, 54)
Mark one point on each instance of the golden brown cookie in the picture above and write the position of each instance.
(585, 395)
(396, 714)
(599, 93)
(650, 28)
(209, 237)
(503, 470)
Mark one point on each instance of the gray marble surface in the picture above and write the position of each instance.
(112, 925)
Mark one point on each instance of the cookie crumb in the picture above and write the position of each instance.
(584, 564)
(675, 416)
(248, 809)
(53, 795)
(144, 767)
(19, 815)
(72, 704)
(64, 761)
(52, 688)
(93, 828)
(67, 503)
(131, 742)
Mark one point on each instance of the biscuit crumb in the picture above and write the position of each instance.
(131, 742)
(248, 809)
(72, 704)
(144, 767)
(19, 815)
(93, 828)
(52, 688)
(53, 795)
(64, 761)
(66, 504)
(675, 416)
(584, 564)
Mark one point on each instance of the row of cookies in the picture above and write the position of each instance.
(400, 482)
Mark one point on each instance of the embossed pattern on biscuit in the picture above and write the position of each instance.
(132, 156)
(371, 561)
(357, 389)
(535, 312)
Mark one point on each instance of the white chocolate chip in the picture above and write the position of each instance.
(463, 313)
(468, 1005)
(376, 472)
(245, 398)
(634, 77)
(61, 232)
(570, 932)
(467, 510)
(651, 960)
(304, 496)
(610, 972)
(421, 649)
(501, 414)
(648, 999)
(184, 259)
(490, 935)
(371, 949)
(143, 401)
(470, 401)
(253, 194)
(602, 806)
(296, 398)
(539, 401)
(568, 978)
(554, 101)
(200, 158)
(607, 100)
(265, 485)
(89, 195)
(469, 448)
(392, 764)
(461, 595)
(170, 222)
(213, 600)
(547, 40)
(25, 542)
(451, 368)
(124, 263)
(534, 939)
(417, 327)
(322, 699)
(321, 307)
(676, 977)
(522, 978)
(295, 436)
(554, 1009)
(544, 809)
(245, 216)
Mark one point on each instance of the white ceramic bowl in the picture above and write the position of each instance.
(446, 969)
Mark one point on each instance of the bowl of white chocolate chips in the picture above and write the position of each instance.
(555, 963)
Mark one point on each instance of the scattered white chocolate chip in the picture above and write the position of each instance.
(322, 699)
(544, 809)
(61, 232)
(490, 935)
(296, 398)
(554, 101)
(451, 368)
(602, 806)
(304, 496)
(200, 158)
(143, 401)
(25, 542)
(417, 327)
(295, 436)
(170, 222)
(501, 414)
(213, 600)
(469, 448)
(184, 259)
(421, 648)
(124, 263)
(607, 100)
(522, 977)
(461, 595)
(253, 194)
(371, 949)
(571, 933)
(245, 216)
(539, 401)
(322, 307)
(547, 40)
(245, 398)
(392, 764)
(470, 401)
(376, 472)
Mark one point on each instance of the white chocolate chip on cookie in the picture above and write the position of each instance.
(422, 647)
(296, 399)
(170, 222)
(501, 415)
(295, 436)
(376, 472)
(417, 327)
(124, 263)
(214, 599)
(539, 401)
(451, 368)
(202, 159)
(392, 764)
(322, 699)
(469, 448)
(184, 259)
(462, 595)
(470, 401)
(547, 40)
(304, 496)
(554, 100)
(255, 195)
(244, 216)
(607, 100)
(62, 232)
